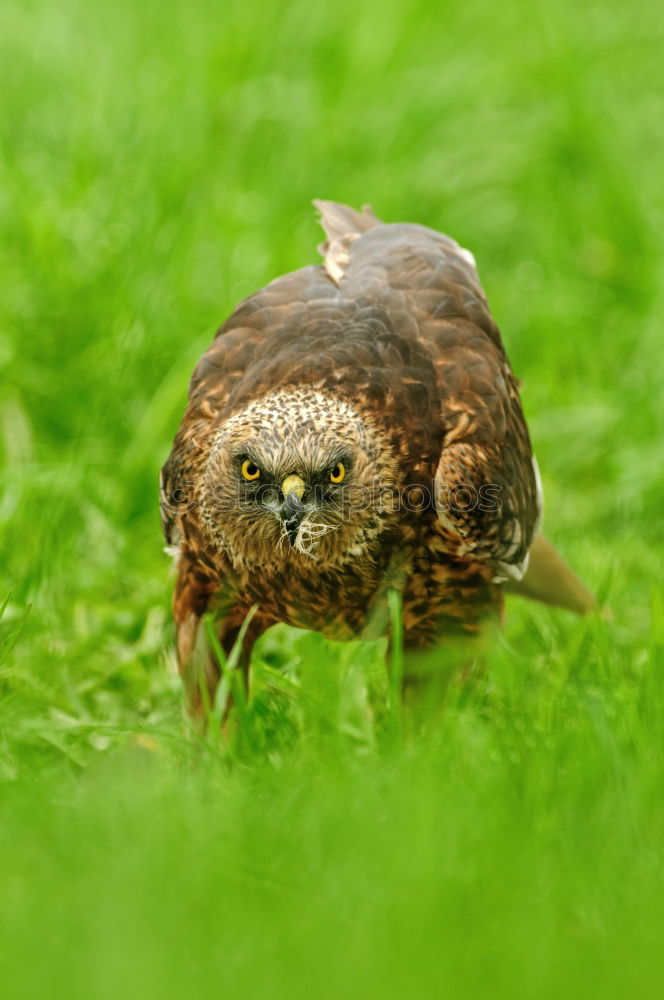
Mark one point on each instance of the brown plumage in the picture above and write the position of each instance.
(355, 427)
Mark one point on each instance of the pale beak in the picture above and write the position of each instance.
(293, 484)
(292, 509)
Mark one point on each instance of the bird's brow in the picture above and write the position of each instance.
(247, 452)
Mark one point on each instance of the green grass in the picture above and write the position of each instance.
(157, 164)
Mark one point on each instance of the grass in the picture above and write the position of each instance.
(157, 165)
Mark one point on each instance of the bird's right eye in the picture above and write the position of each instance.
(250, 471)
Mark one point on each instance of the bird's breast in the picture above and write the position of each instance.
(336, 603)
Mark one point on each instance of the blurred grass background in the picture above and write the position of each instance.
(157, 165)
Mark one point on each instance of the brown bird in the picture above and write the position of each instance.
(355, 427)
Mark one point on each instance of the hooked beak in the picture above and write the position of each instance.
(292, 509)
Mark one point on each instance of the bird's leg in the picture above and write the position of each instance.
(427, 674)
(194, 590)
(199, 664)
(431, 674)
(198, 669)
(230, 634)
(196, 594)
(208, 670)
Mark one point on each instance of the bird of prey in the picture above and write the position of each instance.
(355, 427)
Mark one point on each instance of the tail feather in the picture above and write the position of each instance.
(341, 220)
(550, 580)
(342, 226)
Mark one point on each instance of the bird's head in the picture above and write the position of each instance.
(297, 475)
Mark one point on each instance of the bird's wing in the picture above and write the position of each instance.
(486, 486)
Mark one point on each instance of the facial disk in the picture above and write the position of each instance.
(296, 476)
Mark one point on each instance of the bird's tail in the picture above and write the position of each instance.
(549, 579)
(342, 226)
(341, 220)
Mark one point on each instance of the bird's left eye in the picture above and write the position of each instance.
(250, 471)
(338, 473)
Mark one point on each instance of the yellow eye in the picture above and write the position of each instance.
(249, 470)
(338, 473)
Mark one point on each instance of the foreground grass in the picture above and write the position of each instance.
(157, 164)
(515, 850)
